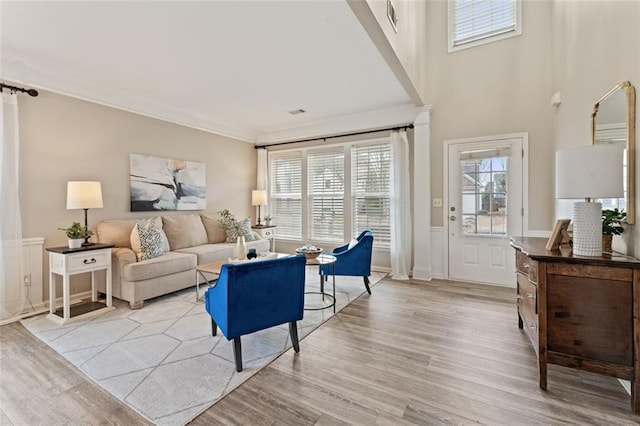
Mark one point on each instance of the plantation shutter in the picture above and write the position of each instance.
(325, 173)
(286, 195)
(473, 20)
(371, 170)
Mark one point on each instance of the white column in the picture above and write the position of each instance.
(422, 195)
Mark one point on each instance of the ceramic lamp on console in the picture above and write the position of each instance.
(84, 195)
(589, 172)
(258, 198)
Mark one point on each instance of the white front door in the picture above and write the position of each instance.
(485, 208)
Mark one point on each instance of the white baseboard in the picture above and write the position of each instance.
(43, 308)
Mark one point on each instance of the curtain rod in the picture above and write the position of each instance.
(405, 127)
(30, 92)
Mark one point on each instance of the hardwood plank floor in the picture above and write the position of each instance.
(411, 353)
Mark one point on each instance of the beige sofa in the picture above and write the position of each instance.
(191, 239)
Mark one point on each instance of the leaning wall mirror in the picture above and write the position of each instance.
(613, 121)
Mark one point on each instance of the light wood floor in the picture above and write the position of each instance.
(411, 353)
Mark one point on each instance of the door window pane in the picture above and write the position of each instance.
(484, 193)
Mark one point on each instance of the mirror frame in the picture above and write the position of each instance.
(630, 93)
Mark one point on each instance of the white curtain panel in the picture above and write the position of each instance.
(263, 174)
(11, 265)
(400, 208)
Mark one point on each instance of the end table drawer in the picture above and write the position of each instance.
(90, 260)
(268, 233)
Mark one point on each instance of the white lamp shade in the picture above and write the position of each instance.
(592, 171)
(84, 195)
(258, 197)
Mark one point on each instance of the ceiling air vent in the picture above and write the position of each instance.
(297, 111)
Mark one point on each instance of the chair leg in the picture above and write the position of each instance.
(214, 327)
(237, 353)
(293, 332)
(366, 284)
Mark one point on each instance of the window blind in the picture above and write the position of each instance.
(325, 177)
(286, 195)
(371, 171)
(474, 20)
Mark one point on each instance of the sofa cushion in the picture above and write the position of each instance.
(168, 263)
(118, 232)
(211, 252)
(184, 230)
(215, 234)
(146, 240)
(222, 251)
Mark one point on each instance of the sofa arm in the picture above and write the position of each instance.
(122, 256)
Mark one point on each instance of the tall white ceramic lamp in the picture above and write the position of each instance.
(589, 172)
(84, 195)
(258, 198)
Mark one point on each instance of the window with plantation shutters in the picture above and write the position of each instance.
(371, 172)
(325, 178)
(474, 22)
(331, 194)
(286, 194)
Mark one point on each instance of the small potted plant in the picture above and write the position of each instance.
(267, 220)
(76, 234)
(612, 220)
(229, 224)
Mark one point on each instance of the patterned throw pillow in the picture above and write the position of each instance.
(245, 229)
(151, 242)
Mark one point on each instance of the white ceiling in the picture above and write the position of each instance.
(230, 67)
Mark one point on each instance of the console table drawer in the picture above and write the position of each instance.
(527, 266)
(92, 260)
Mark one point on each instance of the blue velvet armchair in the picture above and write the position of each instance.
(255, 295)
(353, 261)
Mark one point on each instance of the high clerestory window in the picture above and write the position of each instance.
(475, 22)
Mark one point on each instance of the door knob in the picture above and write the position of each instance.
(452, 218)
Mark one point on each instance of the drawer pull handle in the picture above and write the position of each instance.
(525, 265)
(534, 326)
(531, 296)
(88, 262)
(518, 298)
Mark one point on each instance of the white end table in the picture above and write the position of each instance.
(65, 261)
(268, 232)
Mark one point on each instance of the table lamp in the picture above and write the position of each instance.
(589, 172)
(258, 198)
(84, 195)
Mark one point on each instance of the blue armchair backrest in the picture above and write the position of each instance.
(356, 260)
(255, 295)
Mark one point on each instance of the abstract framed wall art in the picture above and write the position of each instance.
(165, 184)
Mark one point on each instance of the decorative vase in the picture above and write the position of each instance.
(241, 249)
(75, 242)
(607, 240)
(252, 254)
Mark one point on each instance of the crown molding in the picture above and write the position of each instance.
(380, 118)
(25, 71)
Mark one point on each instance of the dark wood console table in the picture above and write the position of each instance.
(580, 312)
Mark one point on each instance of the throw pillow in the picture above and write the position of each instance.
(245, 229)
(148, 239)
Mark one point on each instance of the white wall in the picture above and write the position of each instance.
(596, 44)
(497, 88)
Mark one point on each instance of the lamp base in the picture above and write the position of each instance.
(587, 229)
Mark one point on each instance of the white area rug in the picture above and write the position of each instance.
(162, 360)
